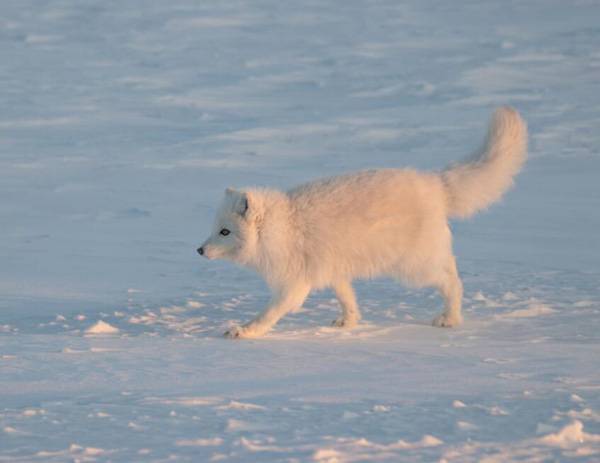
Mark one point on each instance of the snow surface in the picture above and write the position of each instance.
(121, 123)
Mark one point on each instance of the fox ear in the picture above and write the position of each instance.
(243, 204)
(241, 201)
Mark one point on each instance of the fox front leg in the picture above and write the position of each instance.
(350, 313)
(283, 301)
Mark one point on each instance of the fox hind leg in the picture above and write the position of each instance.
(451, 290)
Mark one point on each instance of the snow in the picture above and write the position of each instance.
(533, 310)
(569, 436)
(121, 123)
(101, 328)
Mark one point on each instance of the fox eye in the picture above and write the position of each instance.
(224, 232)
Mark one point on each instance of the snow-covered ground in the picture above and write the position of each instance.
(121, 123)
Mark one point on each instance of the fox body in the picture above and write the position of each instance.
(372, 223)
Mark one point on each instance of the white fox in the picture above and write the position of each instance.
(379, 222)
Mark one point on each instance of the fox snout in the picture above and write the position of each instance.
(208, 251)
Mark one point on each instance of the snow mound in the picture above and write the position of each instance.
(234, 405)
(102, 327)
(569, 436)
(200, 442)
(350, 450)
(534, 310)
(185, 401)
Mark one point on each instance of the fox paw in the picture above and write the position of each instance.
(235, 332)
(344, 323)
(447, 321)
(249, 330)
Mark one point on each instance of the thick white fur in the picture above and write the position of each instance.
(363, 225)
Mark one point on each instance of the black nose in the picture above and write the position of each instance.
(200, 251)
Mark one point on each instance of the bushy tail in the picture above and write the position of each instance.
(481, 180)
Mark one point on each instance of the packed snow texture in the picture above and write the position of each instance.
(121, 123)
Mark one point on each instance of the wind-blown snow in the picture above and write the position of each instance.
(121, 123)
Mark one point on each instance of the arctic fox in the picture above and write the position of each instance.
(379, 222)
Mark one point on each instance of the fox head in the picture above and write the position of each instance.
(234, 233)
